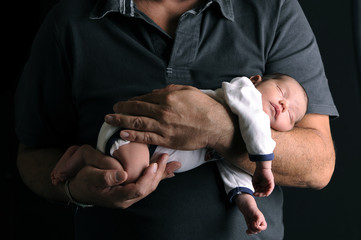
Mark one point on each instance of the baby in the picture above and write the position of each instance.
(276, 101)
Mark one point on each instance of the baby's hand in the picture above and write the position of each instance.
(263, 182)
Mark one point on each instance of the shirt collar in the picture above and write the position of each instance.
(127, 7)
(226, 8)
(103, 7)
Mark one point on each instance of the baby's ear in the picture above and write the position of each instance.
(256, 79)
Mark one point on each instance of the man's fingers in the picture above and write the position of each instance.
(132, 122)
(147, 105)
(105, 178)
(172, 87)
(146, 184)
(109, 183)
(154, 173)
(143, 137)
(99, 160)
(150, 179)
(154, 97)
(138, 129)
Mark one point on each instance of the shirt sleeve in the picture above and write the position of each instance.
(44, 113)
(235, 180)
(295, 52)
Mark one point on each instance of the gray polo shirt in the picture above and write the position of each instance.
(89, 54)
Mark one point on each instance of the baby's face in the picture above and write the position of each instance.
(284, 101)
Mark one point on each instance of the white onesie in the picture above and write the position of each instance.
(245, 101)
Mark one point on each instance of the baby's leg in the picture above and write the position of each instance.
(134, 157)
(254, 218)
(74, 159)
(188, 159)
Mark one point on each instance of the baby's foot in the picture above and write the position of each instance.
(64, 167)
(253, 216)
(57, 177)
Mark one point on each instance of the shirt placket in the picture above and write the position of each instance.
(184, 49)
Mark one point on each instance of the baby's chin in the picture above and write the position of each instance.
(281, 128)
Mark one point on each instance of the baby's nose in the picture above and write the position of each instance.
(284, 105)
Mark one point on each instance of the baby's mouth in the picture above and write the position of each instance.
(276, 110)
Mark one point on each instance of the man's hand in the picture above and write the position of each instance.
(75, 158)
(178, 117)
(99, 185)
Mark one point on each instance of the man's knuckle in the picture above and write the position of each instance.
(138, 123)
(170, 87)
(139, 192)
(108, 178)
(162, 113)
(170, 98)
(147, 137)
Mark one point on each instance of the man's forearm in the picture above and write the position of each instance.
(35, 166)
(304, 156)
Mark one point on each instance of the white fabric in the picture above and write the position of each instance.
(118, 143)
(106, 131)
(188, 159)
(246, 102)
(234, 177)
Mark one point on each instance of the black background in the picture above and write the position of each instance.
(332, 213)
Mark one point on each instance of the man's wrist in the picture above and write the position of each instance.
(71, 200)
(225, 127)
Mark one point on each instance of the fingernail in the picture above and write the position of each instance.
(120, 177)
(124, 134)
(117, 177)
(108, 118)
(154, 167)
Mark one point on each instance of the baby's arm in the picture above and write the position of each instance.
(246, 102)
(263, 180)
(238, 186)
(235, 180)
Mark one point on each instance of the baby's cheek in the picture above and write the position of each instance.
(281, 124)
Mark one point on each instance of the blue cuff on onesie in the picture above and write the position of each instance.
(238, 190)
(261, 157)
(111, 141)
